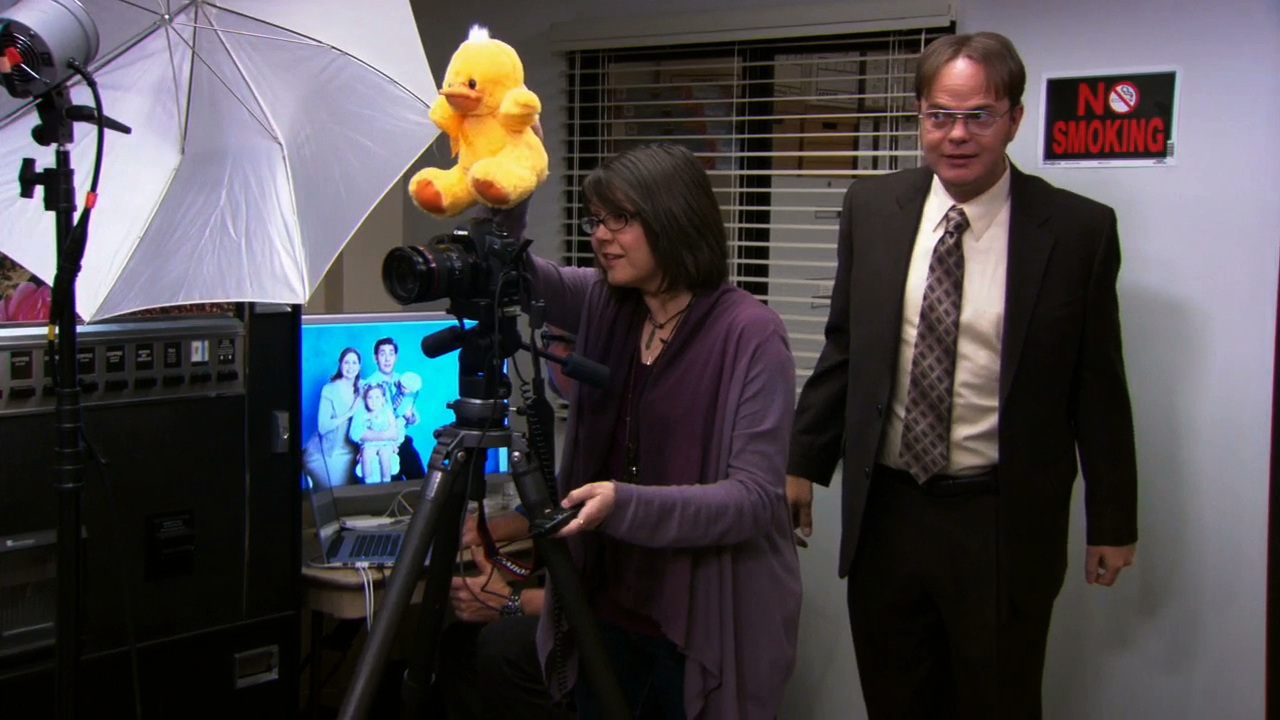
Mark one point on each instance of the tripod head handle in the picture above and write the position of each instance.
(575, 366)
(442, 342)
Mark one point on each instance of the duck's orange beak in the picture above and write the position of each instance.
(462, 99)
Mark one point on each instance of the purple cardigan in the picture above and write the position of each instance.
(717, 567)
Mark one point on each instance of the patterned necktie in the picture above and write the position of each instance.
(926, 425)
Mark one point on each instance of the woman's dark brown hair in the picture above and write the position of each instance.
(664, 188)
(355, 382)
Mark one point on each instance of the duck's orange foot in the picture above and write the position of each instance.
(427, 196)
(490, 193)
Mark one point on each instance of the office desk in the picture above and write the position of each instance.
(339, 593)
(336, 593)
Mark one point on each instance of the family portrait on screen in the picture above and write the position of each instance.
(371, 401)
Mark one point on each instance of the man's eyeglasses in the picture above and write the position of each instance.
(976, 121)
(613, 222)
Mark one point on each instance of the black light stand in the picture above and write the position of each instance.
(455, 473)
(57, 118)
(59, 198)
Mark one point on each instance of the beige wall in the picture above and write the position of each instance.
(354, 281)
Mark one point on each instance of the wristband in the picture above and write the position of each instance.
(511, 608)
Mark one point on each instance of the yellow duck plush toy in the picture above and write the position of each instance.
(489, 116)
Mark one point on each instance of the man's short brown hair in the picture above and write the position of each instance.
(993, 51)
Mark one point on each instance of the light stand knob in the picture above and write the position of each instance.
(28, 178)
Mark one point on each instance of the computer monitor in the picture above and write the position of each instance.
(340, 365)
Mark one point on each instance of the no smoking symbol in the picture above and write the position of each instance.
(1123, 98)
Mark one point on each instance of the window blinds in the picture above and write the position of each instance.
(782, 128)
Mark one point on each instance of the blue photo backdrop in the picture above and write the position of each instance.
(324, 338)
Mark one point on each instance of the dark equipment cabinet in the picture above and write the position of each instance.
(191, 523)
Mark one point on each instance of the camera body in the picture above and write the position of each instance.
(475, 267)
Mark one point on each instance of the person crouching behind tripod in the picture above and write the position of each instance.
(492, 668)
(684, 536)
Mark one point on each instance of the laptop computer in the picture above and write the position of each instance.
(364, 540)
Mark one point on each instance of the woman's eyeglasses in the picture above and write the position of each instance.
(549, 337)
(613, 222)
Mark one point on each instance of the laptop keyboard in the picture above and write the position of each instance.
(376, 546)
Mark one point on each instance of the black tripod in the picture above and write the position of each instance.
(455, 474)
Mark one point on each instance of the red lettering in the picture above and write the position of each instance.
(1059, 137)
(1137, 141)
(1094, 102)
(1076, 136)
(1095, 137)
(1155, 135)
(1112, 143)
(1113, 136)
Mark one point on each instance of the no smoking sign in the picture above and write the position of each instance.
(1112, 119)
(1123, 98)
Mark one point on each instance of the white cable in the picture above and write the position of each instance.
(368, 613)
(400, 501)
(369, 600)
(393, 510)
(363, 589)
(366, 582)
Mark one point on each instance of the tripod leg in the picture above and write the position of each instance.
(437, 487)
(435, 589)
(569, 590)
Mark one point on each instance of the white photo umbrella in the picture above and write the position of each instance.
(264, 131)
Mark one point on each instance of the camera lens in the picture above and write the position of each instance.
(411, 275)
(422, 273)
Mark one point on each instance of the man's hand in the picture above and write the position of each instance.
(470, 531)
(800, 499)
(476, 599)
(1103, 563)
(597, 500)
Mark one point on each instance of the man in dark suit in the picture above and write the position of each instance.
(972, 353)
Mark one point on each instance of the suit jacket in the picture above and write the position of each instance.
(1062, 381)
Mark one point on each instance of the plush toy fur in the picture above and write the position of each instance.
(489, 116)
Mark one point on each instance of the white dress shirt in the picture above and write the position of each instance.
(975, 398)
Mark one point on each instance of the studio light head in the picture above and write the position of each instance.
(38, 38)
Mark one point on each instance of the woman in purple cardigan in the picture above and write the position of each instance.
(684, 536)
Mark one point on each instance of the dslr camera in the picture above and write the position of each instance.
(476, 267)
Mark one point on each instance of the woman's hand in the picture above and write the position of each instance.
(597, 501)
